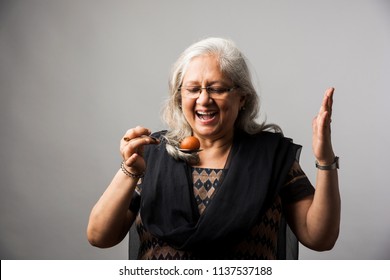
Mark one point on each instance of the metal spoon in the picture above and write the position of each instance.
(190, 151)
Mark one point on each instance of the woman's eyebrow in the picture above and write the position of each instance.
(222, 82)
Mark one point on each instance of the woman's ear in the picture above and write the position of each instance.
(242, 102)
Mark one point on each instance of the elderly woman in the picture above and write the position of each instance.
(230, 198)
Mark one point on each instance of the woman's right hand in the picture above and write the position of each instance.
(132, 147)
(111, 218)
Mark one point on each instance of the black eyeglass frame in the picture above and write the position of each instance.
(209, 90)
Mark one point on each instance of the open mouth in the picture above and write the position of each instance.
(206, 116)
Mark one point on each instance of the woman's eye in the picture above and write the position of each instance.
(193, 89)
(217, 90)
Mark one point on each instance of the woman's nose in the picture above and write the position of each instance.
(204, 97)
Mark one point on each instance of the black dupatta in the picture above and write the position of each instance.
(258, 165)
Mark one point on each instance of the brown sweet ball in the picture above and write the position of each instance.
(190, 143)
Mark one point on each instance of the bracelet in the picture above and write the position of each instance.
(334, 165)
(128, 173)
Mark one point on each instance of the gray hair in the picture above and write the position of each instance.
(234, 66)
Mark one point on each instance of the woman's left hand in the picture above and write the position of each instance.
(322, 144)
(316, 220)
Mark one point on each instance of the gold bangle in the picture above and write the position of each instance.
(128, 173)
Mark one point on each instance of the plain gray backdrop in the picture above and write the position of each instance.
(75, 75)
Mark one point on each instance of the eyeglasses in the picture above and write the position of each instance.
(214, 92)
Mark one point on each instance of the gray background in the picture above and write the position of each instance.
(75, 75)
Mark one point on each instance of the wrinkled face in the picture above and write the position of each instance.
(210, 118)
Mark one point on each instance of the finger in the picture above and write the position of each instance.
(327, 101)
(324, 125)
(149, 139)
(131, 160)
(323, 105)
(314, 123)
(136, 145)
(330, 93)
(135, 132)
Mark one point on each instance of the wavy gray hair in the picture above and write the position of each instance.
(233, 64)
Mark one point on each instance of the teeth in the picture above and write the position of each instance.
(205, 114)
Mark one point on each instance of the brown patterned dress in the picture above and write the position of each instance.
(259, 243)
